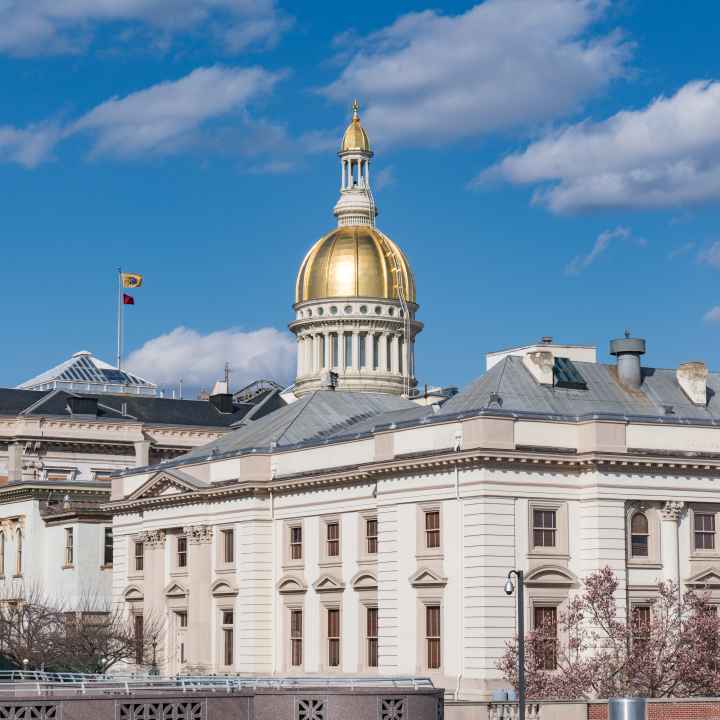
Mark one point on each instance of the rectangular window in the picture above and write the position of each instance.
(296, 638)
(182, 618)
(372, 637)
(432, 636)
(544, 528)
(227, 630)
(362, 347)
(182, 652)
(139, 556)
(228, 546)
(347, 339)
(69, 549)
(108, 547)
(333, 539)
(376, 352)
(182, 551)
(432, 529)
(704, 531)
(335, 350)
(371, 530)
(545, 621)
(333, 634)
(296, 542)
(139, 640)
(641, 624)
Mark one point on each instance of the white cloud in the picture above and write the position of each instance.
(681, 250)
(27, 146)
(430, 78)
(667, 154)
(712, 315)
(581, 262)
(164, 117)
(711, 256)
(199, 359)
(33, 27)
(384, 177)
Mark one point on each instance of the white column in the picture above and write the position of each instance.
(369, 350)
(342, 182)
(341, 350)
(382, 364)
(669, 540)
(316, 353)
(395, 354)
(299, 356)
(326, 359)
(355, 351)
(367, 173)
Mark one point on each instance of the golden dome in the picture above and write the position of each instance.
(355, 137)
(354, 261)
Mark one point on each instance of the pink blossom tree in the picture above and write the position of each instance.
(596, 649)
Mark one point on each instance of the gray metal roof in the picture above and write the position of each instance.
(520, 392)
(316, 416)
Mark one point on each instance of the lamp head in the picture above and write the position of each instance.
(509, 587)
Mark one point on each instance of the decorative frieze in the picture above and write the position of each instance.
(153, 538)
(198, 534)
(672, 509)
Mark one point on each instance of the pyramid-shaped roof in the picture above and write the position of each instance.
(85, 373)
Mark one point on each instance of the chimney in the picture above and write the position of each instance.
(222, 401)
(692, 378)
(540, 364)
(628, 351)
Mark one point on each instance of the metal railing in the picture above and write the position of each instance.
(37, 682)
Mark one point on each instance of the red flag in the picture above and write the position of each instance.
(128, 299)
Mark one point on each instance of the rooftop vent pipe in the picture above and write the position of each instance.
(628, 351)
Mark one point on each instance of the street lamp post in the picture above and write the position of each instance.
(509, 589)
(154, 669)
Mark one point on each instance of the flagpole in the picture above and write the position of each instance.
(119, 321)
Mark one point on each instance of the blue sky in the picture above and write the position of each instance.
(551, 167)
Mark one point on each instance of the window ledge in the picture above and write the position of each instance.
(294, 565)
(635, 565)
(106, 567)
(369, 560)
(330, 563)
(183, 572)
(17, 575)
(548, 554)
(68, 567)
(698, 555)
(225, 570)
(434, 554)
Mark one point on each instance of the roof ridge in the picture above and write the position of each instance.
(310, 398)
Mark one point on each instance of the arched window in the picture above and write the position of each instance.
(639, 535)
(18, 552)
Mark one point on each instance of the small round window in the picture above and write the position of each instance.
(391, 311)
(378, 310)
(333, 310)
(321, 311)
(363, 309)
(348, 309)
(309, 313)
(402, 313)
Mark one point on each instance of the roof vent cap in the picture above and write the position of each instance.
(628, 350)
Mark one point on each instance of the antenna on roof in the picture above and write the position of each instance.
(227, 377)
(627, 333)
(181, 388)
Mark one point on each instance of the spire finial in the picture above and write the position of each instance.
(356, 110)
(627, 333)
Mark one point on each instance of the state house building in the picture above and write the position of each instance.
(359, 529)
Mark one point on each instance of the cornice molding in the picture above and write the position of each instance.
(432, 462)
